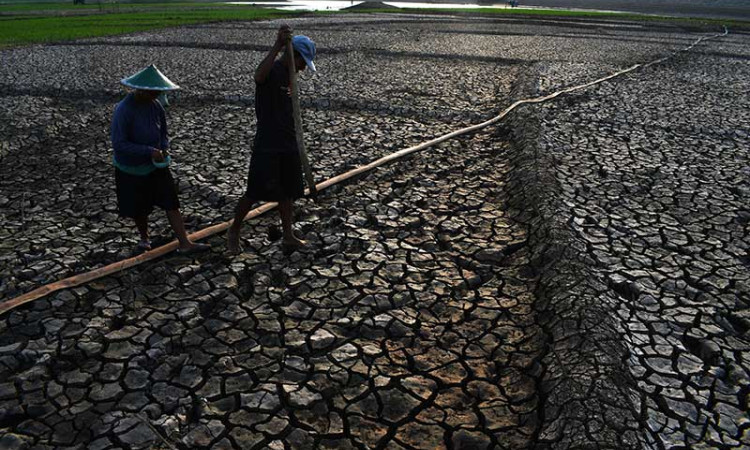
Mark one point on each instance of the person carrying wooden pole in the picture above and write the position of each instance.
(276, 164)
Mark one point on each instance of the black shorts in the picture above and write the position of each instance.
(274, 176)
(137, 195)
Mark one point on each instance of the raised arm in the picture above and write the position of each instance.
(264, 68)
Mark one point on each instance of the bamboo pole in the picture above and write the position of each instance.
(77, 280)
(111, 269)
(298, 120)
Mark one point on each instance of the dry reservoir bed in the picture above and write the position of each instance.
(575, 276)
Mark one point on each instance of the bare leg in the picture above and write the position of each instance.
(178, 226)
(233, 235)
(287, 220)
(142, 224)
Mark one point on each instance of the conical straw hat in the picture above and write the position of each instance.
(149, 79)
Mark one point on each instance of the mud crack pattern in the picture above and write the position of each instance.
(574, 278)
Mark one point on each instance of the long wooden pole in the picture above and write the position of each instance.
(77, 280)
(298, 120)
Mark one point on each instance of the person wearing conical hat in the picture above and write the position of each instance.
(275, 172)
(141, 143)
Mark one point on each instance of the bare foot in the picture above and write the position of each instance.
(293, 243)
(142, 247)
(192, 247)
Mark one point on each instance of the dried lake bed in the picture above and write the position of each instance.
(574, 276)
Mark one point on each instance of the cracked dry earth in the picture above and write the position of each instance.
(653, 178)
(401, 324)
(573, 278)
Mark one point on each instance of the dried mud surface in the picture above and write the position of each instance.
(574, 277)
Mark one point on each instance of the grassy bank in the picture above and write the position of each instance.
(23, 24)
(54, 7)
(21, 30)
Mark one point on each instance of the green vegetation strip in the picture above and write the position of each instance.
(108, 5)
(36, 23)
(31, 30)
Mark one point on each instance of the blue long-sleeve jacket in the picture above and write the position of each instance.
(138, 128)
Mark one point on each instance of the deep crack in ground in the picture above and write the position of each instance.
(574, 277)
